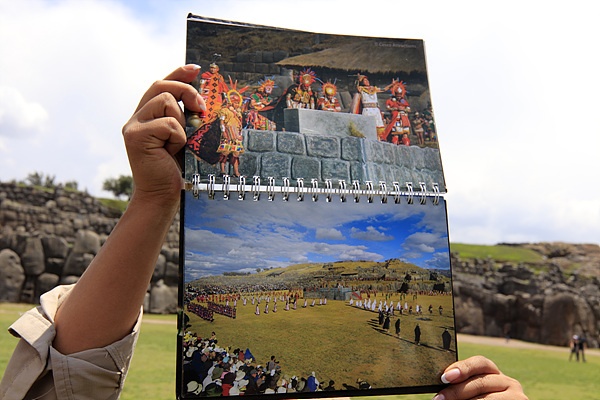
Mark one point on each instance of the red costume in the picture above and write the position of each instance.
(399, 123)
(261, 100)
(329, 102)
(212, 87)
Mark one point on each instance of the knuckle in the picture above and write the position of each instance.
(172, 124)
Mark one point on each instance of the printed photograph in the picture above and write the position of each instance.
(285, 103)
(301, 296)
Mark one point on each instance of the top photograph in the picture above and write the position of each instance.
(318, 107)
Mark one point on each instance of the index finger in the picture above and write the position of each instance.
(177, 83)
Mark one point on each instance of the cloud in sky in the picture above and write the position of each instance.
(371, 234)
(17, 114)
(265, 235)
(329, 234)
(514, 88)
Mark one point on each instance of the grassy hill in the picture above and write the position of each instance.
(571, 259)
(504, 253)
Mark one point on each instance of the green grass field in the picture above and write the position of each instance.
(340, 342)
(545, 374)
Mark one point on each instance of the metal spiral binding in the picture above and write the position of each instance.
(397, 195)
(286, 188)
(242, 188)
(314, 189)
(369, 191)
(211, 187)
(256, 188)
(409, 198)
(271, 189)
(423, 196)
(436, 191)
(300, 189)
(356, 190)
(383, 192)
(196, 185)
(329, 190)
(226, 182)
(342, 190)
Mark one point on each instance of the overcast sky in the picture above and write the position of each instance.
(514, 87)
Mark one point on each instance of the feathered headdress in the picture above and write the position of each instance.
(307, 76)
(233, 92)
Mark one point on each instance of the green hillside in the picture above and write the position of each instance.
(499, 253)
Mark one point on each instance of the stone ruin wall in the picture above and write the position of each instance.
(511, 300)
(49, 238)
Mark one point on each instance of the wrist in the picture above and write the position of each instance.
(162, 203)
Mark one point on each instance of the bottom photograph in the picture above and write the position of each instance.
(314, 298)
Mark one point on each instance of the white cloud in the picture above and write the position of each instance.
(329, 234)
(19, 116)
(371, 234)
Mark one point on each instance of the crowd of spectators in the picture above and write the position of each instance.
(212, 370)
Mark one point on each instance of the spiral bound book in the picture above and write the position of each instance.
(314, 238)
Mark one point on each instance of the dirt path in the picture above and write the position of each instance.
(516, 344)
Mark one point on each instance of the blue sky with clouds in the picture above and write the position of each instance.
(237, 235)
(514, 86)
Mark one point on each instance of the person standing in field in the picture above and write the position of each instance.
(574, 346)
(417, 335)
(581, 346)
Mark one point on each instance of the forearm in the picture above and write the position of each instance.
(105, 302)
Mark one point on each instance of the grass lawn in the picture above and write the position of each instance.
(341, 342)
(545, 374)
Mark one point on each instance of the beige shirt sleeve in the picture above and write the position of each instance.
(38, 371)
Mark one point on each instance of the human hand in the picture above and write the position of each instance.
(156, 132)
(478, 378)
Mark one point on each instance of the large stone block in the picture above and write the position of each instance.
(291, 143)
(87, 245)
(335, 170)
(375, 152)
(32, 258)
(163, 299)
(45, 282)
(311, 122)
(55, 247)
(248, 164)
(275, 165)
(323, 146)
(159, 268)
(306, 168)
(260, 141)
(352, 149)
(12, 276)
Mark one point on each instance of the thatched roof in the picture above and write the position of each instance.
(366, 56)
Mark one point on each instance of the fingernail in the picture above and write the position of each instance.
(451, 375)
(439, 396)
(191, 67)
